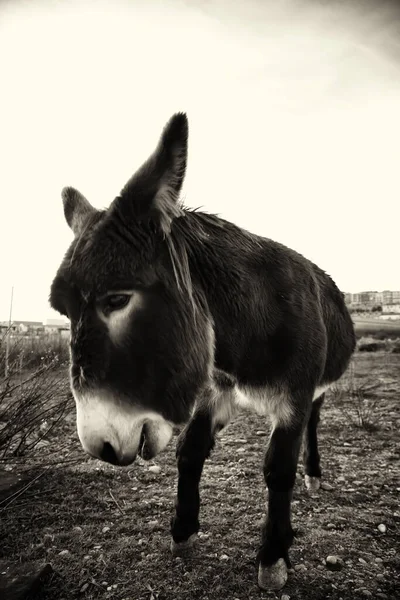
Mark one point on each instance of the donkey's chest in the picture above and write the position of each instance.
(263, 401)
(257, 401)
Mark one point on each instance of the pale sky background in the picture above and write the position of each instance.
(294, 116)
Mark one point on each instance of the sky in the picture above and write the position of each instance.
(294, 124)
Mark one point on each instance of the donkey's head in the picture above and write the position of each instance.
(141, 343)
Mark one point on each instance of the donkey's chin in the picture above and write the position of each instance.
(154, 438)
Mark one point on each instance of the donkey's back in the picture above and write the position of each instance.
(278, 318)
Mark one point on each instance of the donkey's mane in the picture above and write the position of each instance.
(188, 229)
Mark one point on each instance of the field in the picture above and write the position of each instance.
(378, 328)
(105, 531)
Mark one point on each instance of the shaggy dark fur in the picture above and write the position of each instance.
(278, 321)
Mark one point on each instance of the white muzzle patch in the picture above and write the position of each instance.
(103, 418)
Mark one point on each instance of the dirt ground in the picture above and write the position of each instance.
(106, 530)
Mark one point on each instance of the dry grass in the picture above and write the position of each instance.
(359, 400)
(27, 352)
(377, 329)
(106, 530)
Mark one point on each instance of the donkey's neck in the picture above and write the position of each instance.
(219, 255)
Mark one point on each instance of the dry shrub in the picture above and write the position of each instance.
(32, 403)
(371, 344)
(359, 401)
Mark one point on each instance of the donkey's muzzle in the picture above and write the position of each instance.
(108, 454)
(146, 450)
(116, 431)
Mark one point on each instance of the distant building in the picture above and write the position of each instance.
(391, 308)
(5, 326)
(51, 326)
(368, 297)
(57, 326)
(396, 297)
(387, 297)
(369, 300)
(25, 326)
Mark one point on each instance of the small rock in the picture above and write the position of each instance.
(327, 486)
(77, 530)
(382, 595)
(155, 469)
(362, 561)
(333, 563)
(259, 432)
(87, 557)
(300, 567)
(382, 528)
(105, 529)
(331, 526)
(64, 553)
(285, 597)
(224, 557)
(378, 560)
(84, 587)
(201, 534)
(366, 593)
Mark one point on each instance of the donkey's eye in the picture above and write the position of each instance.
(115, 302)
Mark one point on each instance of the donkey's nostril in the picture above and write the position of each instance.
(108, 454)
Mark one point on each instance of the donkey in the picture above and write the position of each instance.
(180, 318)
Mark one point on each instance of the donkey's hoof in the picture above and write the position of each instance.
(312, 483)
(274, 576)
(182, 548)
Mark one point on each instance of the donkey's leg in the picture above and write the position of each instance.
(311, 458)
(216, 408)
(193, 449)
(280, 473)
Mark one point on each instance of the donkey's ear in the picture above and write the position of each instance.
(154, 189)
(76, 209)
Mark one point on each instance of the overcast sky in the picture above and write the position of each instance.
(294, 115)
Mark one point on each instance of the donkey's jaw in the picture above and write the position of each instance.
(156, 434)
(111, 429)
